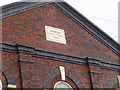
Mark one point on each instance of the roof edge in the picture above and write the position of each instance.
(90, 27)
(19, 7)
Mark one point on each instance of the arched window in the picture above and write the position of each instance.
(62, 84)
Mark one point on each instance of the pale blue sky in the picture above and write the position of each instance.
(103, 13)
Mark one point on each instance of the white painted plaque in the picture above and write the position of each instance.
(55, 34)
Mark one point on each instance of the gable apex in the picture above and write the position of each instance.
(18, 7)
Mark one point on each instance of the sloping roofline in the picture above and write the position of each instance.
(18, 7)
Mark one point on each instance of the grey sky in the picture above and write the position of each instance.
(103, 13)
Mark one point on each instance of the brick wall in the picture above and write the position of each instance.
(11, 68)
(29, 28)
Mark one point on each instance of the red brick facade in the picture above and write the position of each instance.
(28, 28)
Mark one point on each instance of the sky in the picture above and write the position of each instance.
(103, 13)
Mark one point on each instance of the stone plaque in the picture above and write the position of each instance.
(55, 34)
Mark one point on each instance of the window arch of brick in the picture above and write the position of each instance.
(113, 83)
(7, 75)
(55, 73)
